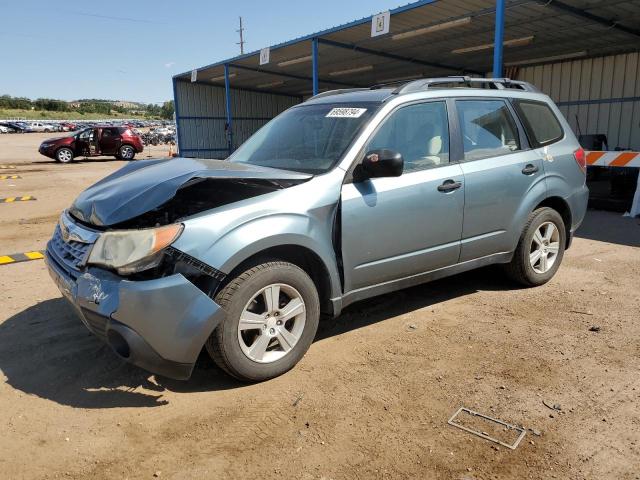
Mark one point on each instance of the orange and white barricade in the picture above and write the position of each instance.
(613, 159)
(618, 159)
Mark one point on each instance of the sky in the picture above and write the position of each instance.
(129, 50)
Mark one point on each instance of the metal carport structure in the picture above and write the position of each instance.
(219, 105)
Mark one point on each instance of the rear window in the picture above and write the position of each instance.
(540, 122)
(488, 129)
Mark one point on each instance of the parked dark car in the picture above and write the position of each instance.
(17, 127)
(96, 141)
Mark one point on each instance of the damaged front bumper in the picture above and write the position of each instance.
(160, 325)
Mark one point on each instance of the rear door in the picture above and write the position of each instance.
(109, 141)
(401, 226)
(500, 172)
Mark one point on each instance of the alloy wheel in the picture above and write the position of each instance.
(127, 152)
(271, 323)
(545, 246)
(65, 155)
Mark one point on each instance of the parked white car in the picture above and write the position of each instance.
(41, 127)
(3, 129)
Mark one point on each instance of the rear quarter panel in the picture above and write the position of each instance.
(565, 179)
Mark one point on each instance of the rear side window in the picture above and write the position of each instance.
(488, 129)
(540, 122)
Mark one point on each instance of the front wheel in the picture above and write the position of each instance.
(540, 249)
(64, 155)
(126, 152)
(272, 314)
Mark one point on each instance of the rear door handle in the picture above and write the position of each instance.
(449, 186)
(530, 169)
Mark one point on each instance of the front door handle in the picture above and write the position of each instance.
(449, 186)
(530, 169)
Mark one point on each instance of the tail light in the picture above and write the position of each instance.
(581, 158)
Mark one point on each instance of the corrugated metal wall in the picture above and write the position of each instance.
(202, 116)
(601, 94)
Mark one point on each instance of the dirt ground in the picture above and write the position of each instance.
(371, 398)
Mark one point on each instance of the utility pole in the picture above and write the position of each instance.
(241, 42)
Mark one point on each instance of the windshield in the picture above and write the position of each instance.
(307, 138)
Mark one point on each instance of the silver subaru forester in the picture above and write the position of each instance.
(351, 194)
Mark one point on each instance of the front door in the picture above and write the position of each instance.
(82, 142)
(94, 142)
(500, 172)
(401, 226)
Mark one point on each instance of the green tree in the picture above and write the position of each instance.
(167, 110)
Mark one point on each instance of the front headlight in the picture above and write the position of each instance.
(45, 145)
(131, 251)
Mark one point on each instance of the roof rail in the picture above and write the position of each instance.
(340, 91)
(496, 83)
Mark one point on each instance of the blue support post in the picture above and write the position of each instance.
(227, 96)
(499, 39)
(314, 64)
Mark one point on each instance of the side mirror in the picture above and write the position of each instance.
(381, 163)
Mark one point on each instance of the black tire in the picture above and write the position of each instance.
(520, 268)
(126, 152)
(224, 345)
(64, 155)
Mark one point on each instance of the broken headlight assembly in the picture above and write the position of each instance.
(132, 251)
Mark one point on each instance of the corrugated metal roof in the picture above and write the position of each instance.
(543, 28)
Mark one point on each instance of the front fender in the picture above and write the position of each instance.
(225, 251)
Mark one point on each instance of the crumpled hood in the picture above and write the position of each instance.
(144, 185)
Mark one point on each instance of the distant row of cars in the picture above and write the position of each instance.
(23, 126)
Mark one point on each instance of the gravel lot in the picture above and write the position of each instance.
(372, 397)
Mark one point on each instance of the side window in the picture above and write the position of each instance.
(488, 129)
(540, 122)
(419, 132)
(106, 133)
(84, 135)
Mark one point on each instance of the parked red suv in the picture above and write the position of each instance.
(97, 141)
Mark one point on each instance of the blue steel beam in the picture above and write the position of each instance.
(393, 56)
(499, 39)
(314, 64)
(578, 12)
(227, 96)
(291, 75)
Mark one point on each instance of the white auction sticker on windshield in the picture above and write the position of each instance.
(346, 112)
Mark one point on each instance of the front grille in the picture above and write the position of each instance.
(71, 254)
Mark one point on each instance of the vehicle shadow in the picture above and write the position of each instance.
(79, 160)
(46, 351)
(610, 227)
(374, 310)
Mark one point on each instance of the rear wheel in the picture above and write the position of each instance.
(126, 152)
(540, 249)
(272, 314)
(64, 155)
